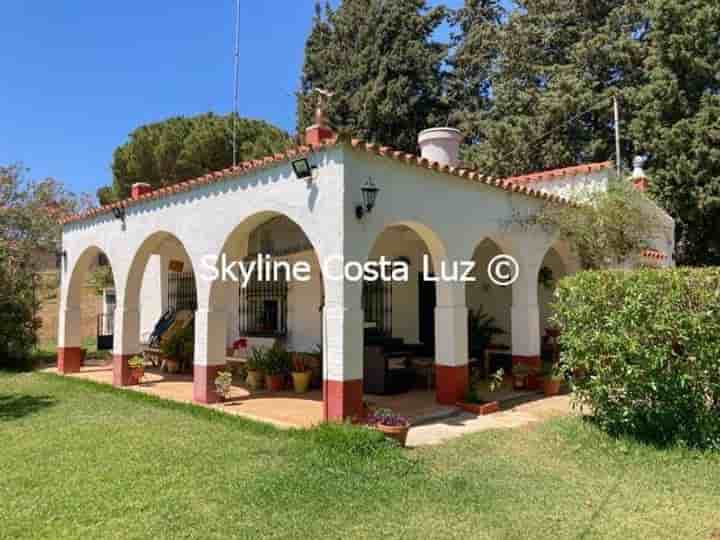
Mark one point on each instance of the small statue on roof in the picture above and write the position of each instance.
(320, 118)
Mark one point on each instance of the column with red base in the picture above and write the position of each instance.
(210, 338)
(126, 342)
(525, 313)
(69, 352)
(343, 362)
(451, 353)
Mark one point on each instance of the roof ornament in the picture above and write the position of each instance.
(320, 118)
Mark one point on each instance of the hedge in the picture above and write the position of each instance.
(644, 348)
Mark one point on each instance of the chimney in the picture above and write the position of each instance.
(440, 144)
(640, 181)
(139, 189)
(318, 132)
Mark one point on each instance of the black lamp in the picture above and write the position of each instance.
(369, 194)
(60, 258)
(302, 168)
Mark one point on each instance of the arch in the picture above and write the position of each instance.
(73, 323)
(556, 264)
(151, 245)
(235, 247)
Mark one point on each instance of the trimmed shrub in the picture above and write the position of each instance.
(644, 347)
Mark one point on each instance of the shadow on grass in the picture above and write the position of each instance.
(13, 407)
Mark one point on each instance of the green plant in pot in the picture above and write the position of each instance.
(136, 365)
(255, 367)
(475, 403)
(223, 383)
(172, 351)
(553, 380)
(277, 366)
(481, 331)
(301, 373)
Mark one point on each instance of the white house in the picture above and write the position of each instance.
(428, 205)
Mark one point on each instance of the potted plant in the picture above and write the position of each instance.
(301, 373)
(533, 379)
(391, 424)
(520, 374)
(137, 369)
(553, 380)
(172, 350)
(474, 403)
(277, 365)
(255, 368)
(223, 382)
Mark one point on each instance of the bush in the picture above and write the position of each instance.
(648, 344)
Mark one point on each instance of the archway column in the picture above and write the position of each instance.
(209, 356)
(343, 351)
(525, 313)
(126, 341)
(451, 343)
(69, 352)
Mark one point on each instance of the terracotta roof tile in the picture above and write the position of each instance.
(515, 184)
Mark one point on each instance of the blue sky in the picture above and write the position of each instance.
(80, 75)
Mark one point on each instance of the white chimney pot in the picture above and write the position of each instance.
(441, 144)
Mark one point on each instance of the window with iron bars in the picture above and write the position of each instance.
(377, 305)
(181, 291)
(263, 307)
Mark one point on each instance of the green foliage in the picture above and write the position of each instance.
(380, 60)
(608, 229)
(179, 148)
(136, 362)
(101, 278)
(29, 211)
(481, 330)
(277, 360)
(649, 342)
(256, 360)
(180, 345)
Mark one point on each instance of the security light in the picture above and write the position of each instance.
(119, 213)
(369, 194)
(302, 168)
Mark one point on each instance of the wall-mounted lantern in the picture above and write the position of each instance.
(60, 258)
(369, 194)
(119, 213)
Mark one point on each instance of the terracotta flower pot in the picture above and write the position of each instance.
(301, 381)
(551, 386)
(172, 365)
(399, 433)
(275, 382)
(136, 375)
(255, 379)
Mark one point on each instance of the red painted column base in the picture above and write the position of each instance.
(529, 361)
(451, 383)
(69, 359)
(343, 399)
(121, 370)
(204, 390)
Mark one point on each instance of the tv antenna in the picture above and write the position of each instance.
(236, 83)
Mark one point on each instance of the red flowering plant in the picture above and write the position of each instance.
(299, 365)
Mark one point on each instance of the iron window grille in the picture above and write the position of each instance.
(181, 291)
(263, 307)
(377, 305)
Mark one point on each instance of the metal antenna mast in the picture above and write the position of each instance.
(236, 82)
(616, 109)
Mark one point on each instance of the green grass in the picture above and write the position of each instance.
(80, 460)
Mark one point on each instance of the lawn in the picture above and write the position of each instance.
(80, 460)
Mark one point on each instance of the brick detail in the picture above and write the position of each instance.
(317, 134)
(204, 383)
(121, 370)
(69, 359)
(342, 399)
(451, 383)
(530, 361)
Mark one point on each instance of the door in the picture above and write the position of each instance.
(426, 305)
